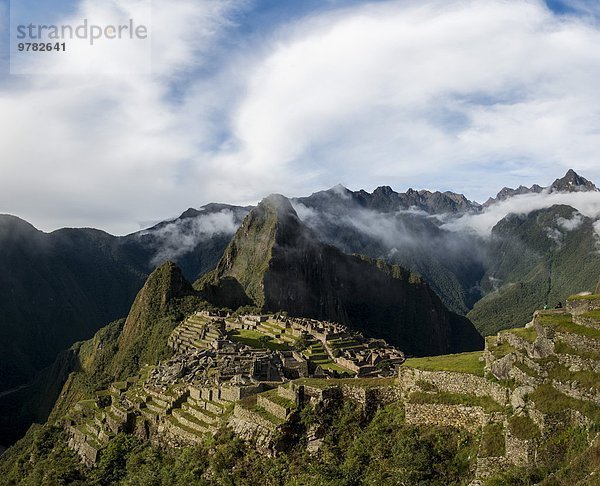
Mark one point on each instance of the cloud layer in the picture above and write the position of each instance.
(587, 203)
(178, 237)
(452, 95)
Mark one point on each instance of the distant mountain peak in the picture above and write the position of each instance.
(386, 199)
(572, 182)
(386, 190)
(279, 203)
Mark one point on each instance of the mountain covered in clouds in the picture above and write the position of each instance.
(61, 287)
(571, 182)
(481, 260)
(278, 263)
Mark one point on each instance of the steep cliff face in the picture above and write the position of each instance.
(280, 265)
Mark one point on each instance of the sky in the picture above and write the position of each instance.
(235, 99)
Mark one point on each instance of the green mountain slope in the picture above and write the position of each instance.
(61, 287)
(536, 260)
(56, 289)
(279, 264)
(400, 229)
(115, 352)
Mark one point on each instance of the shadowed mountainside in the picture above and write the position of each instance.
(279, 264)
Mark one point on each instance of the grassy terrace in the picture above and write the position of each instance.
(445, 398)
(275, 398)
(492, 441)
(178, 424)
(549, 400)
(501, 350)
(249, 403)
(256, 340)
(563, 323)
(595, 314)
(461, 363)
(360, 382)
(563, 348)
(526, 369)
(523, 427)
(528, 334)
(336, 367)
(587, 379)
(584, 297)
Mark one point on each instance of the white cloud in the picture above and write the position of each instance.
(570, 224)
(587, 203)
(406, 92)
(181, 236)
(597, 229)
(462, 94)
(107, 149)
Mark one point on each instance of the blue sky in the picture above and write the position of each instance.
(246, 98)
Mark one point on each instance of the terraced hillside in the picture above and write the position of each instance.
(524, 410)
(534, 394)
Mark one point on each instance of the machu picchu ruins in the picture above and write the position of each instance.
(253, 374)
(243, 371)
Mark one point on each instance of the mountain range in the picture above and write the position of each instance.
(375, 261)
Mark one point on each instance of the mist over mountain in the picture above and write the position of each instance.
(61, 287)
(383, 225)
(279, 264)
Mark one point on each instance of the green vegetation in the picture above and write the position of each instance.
(461, 363)
(527, 370)
(492, 441)
(256, 339)
(564, 323)
(335, 367)
(532, 269)
(563, 348)
(425, 385)
(584, 297)
(587, 379)
(355, 451)
(501, 350)
(445, 398)
(522, 427)
(527, 333)
(121, 349)
(594, 314)
(273, 396)
(549, 400)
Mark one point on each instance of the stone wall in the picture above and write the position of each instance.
(574, 390)
(253, 418)
(460, 416)
(579, 342)
(574, 362)
(581, 306)
(451, 382)
(288, 393)
(488, 466)
(586, 321)
(520, 451)
(88, 452)
(273, 408)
